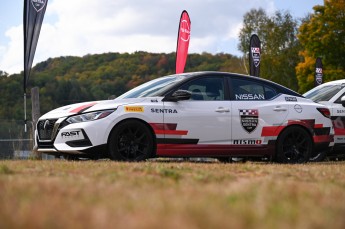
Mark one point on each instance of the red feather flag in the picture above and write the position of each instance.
(183, 39)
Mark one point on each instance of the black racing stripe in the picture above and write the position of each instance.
(176, 141)
(322, 131)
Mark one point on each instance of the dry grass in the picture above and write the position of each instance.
(161, 194)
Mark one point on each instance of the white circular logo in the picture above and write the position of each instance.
(185, 30)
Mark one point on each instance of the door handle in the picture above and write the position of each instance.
(222, 110)
(279, 108)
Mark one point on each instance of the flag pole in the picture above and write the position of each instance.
(25, 124)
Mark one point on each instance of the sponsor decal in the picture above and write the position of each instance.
(290, 99)
(70, 133)
(340, 111)
(256, 56)
(154, 101)
(298, 108)
(164, 111)
(38, 4)
(247, 142)
(249, 119)
(138, 109)
(249, 97)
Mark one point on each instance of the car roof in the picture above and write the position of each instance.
(342, 81)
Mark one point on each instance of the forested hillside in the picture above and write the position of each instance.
(66, 80)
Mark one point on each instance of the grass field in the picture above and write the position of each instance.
(171, 194)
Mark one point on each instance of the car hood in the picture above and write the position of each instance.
(76, 108)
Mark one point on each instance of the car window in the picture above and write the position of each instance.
(251, 90)
(151, 88)
(324, 93)
(207, 88)
(339, 98)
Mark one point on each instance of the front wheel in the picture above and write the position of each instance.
(131, 141)
(294, 145)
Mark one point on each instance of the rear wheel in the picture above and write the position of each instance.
(131, 141)
(294, 145)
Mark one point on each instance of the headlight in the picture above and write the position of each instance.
(89, 116)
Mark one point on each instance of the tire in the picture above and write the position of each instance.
(131, 141)
(294, 145)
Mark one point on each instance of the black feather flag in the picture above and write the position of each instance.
(32, 20)
(254, 55)
(318, 72)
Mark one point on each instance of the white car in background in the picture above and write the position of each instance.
(332, 95)
(201, 114)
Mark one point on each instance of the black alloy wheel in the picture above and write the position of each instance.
(131, 141)
(294, 145)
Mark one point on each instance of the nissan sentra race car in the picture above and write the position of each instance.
(202, 114)
(332, 95)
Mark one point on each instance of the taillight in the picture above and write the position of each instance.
(325, 112)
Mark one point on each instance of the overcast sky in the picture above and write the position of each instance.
(80, 27)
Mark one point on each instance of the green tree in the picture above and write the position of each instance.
(322, 34)
(279, 44)
(66, 80)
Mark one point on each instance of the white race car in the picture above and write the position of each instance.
(332, 94)
(202, 114)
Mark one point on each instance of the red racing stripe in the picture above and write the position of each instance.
(269, 131)
(318, 126)
(172, 132)
(339, 131)
(84, 107)
(167, 128)
(323, 138)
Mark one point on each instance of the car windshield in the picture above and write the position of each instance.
(324, 93)
(152, 88)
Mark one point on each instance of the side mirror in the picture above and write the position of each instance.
(178, 95)
(343, 101)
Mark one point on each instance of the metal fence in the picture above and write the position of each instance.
(14, 141)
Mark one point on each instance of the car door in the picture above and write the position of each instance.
(204, 118)
(338, 117)
(254, 106)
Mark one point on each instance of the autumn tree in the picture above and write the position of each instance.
(279, 44)
(322, 34)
